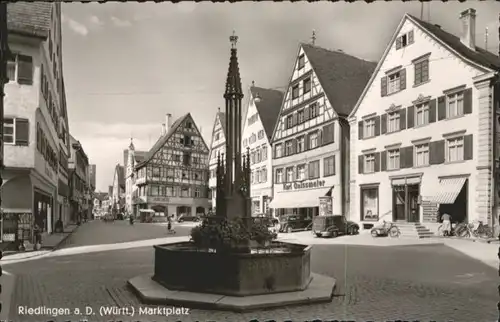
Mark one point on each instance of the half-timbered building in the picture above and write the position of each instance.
(173, 177)
(262, 112)
(217, 147)
(422, 132)
(311, 137)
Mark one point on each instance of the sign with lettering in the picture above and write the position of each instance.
(325, 206)
(308, 184)
(158, 199)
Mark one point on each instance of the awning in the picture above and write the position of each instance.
(146, 210)
(448, 190)
(298, 199)
(17, 195)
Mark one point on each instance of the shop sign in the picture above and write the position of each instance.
(325, 206)
(158, 199)
(307, 184)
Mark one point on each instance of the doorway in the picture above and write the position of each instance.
(405, 205)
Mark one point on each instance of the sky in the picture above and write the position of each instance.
(128, 64)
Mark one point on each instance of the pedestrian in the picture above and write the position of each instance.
(446, 221)
(169, 224)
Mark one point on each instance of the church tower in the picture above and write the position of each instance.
(129, 176)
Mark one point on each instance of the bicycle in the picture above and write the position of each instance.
(483, 231)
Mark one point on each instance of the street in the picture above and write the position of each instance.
(426, 283)
(98, 232)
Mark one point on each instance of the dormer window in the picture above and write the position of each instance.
(404, 40)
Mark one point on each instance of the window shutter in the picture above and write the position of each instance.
(306, 142)
(294, 146)
(436, 152)
(410, 117)
(432, 111)
(410, 37)
(408, 156)
(383, 161)
(398, 43)
(320, 138)
(383, 86)
(42, 80)
(441, 106)
(360, 130)
(383, 124)
(377, 126)
(361, 161)
(306, 113)
(468, 147)
(22, 132)
(468, 101)
(402, 119)
(402, 79)
(294, 119)
(24, 70)
(402, 158)
(325, 135)
(377, 161)
(334, 165)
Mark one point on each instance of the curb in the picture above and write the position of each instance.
(64, 239)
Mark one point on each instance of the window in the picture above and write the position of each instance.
(302, 61)
(288, 147)
(404, 40)
(155, 191)
(393, 122)
(300, 144)
(314, 170)
(189, 125)
(257, 176)
(217, 136)
(301, 172)
(170, 192)
(20, 69)
(328, 134)
(279, 175)
(329, 166)
(278, 150)
(264, 152)
(422, 114)
(156, 172)
(187, 140)
(253, 138)
(295, 91)
(258, 155)
(369, 165)
(313, 140)
(197, 193)
(313, 110)
(421, 155)
(394, 83)
(9, 130)
(369, 128)
(421, 71)
(301, 116)
(252, 157)
(393, 159)
(185, 192)
(455, 149)
(260, 135)
(289, 121)
(263, 175)
(307, 85)
(289, 174)
(455, 105)
(369, 204)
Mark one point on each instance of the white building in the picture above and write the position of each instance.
(311, 137)
(422, 132)
(118, 195)
(217, 147)
(131, 158)
(261, 115)
(35, 128)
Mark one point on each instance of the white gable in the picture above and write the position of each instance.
(218, 140)
(446, 70)
(303, 71)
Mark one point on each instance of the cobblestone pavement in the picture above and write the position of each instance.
(425, 283)
(98, 232)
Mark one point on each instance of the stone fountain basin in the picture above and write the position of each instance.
(184, 267)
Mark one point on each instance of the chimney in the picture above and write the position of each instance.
(168, 122)
(468, 35)
(163, 129)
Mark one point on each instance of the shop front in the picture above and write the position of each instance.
(176, 206)
(303, 198)
(260, 202)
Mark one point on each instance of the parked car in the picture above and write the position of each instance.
(332, 226)
(291, 223)
(183, 218)
(272, 224)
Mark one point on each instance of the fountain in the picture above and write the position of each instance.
(232, 262)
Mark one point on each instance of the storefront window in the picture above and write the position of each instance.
(369, 204)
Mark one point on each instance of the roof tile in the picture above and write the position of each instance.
(31, 18)
(268, 107)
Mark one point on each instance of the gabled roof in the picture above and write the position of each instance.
(342, 77)
(101, 195)
(163, 139)
(29, 18)
(268, 106)
(479, 56)
(222, 118)
(140, 156)
(120, 172)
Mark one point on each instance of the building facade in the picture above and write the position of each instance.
(217, 148)
(173, 178)
(261, 115)
(118, 195)
(311, 137)
(131, 158)
(78, 184)
(35, 122)
(422, 132)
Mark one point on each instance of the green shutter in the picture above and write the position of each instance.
(468, 101)
(402, 79)
(377, 125)
(383, 124)
(408, 156)
(402, 119)
(410, 117)
(432, 111)
(360, 130)
(383, 86)
(436, 152)
(383, 161)
(361, 161)
(441, 108)
(22, 132)
(468, 147)
(377, 161)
